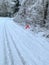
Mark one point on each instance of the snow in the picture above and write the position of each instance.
(20, 47)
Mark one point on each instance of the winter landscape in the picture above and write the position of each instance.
(24, 32)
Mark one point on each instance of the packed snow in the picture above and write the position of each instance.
(21, 47)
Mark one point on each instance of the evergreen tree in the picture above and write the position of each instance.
(16, 7)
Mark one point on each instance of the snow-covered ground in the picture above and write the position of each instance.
(20, 47)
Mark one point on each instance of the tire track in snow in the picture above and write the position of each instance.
(21, 57)
(25, 61)
(33, 60)
(23, 42)
(40, 46)
(10, 52)
(4, 49)
(19, 54)
(5, 56)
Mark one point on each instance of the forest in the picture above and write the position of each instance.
(24, 32)
(32, 12)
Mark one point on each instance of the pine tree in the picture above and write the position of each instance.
(16, 7)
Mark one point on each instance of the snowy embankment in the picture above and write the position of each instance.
(20, 47)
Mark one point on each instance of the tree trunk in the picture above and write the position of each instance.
(45, 12)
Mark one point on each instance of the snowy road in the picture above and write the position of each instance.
(20, 47)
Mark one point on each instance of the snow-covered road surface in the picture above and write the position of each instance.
(20, 47)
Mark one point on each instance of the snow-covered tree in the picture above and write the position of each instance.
(16, 6)
(29, 11)
(3, 9)
(33, 12)
(45, 11)
(8, 8)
